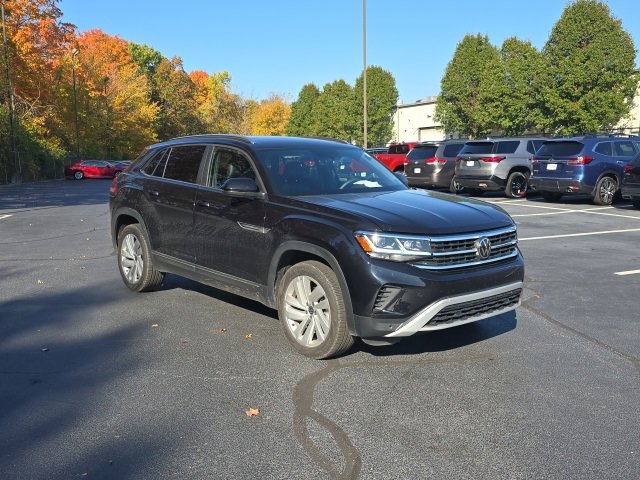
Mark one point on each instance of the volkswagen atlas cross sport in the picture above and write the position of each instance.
(317, 229)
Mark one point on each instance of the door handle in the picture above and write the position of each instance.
(204, 204)
(154, 193)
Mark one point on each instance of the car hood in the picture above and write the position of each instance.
(419, 211)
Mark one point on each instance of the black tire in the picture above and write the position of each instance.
(78, 175)
(605, 191)
(304, 317)
(517, 184)
(551, 196)
(636, 202)
(455, 187)
(134, 260)
(474, 192)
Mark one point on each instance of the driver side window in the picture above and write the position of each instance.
(228, 164)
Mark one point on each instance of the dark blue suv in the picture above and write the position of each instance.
(591, 165)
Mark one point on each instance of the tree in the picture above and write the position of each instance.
(146, 58)
(270, 117)
(331, 112)
(472, 88)
(382, 97)
(220, 110)
(301, 122)
(174, 92)
(589, 82)
(520, 107)
(117, 118)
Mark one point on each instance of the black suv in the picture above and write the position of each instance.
(319, 230)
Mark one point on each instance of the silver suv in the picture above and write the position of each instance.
(496, 164)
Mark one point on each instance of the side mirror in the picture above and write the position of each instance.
(240, 185)
(403, 178)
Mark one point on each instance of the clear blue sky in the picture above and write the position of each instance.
(280, 45)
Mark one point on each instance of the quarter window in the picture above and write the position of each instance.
(603, 148)
(155, 166)
(183, 163)
(452, 150)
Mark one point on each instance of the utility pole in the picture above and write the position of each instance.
(12, 127)
(364, 74)
(74, 54)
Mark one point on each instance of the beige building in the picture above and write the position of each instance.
(413, 122)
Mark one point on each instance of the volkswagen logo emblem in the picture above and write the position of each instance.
(483, 247)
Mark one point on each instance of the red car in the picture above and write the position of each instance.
(93, 169)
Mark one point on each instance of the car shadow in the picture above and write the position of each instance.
(54, 193)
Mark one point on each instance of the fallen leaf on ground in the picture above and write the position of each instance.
(222, 330)
(154, 325)
(44, 349)
(252, 412)
(40, 282)
(248, 336)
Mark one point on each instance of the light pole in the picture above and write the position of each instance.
(74, 54)
(364, 74)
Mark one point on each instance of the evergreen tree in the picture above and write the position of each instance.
(301, 121)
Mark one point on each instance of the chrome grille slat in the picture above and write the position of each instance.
(460, 251)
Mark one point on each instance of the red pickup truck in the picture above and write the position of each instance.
(396, 156)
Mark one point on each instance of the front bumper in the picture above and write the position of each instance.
(398, 300)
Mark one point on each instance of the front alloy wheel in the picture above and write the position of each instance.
(311, 307)
(135, 262)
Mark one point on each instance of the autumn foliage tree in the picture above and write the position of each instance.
(270, 116)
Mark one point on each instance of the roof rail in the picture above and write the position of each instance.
(330, 139)
(230, 136)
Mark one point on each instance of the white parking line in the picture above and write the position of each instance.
(628, 272)
(2, 217)
(579, 234)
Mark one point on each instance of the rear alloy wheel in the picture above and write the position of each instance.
(312, 310)
(606, 189)
(455, 186)
(551, 196)
(78, 175)
(134, 260)
(517, 185)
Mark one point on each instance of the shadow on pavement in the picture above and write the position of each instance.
(54, 193)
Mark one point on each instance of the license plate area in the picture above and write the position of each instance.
(552, 166)
(417, 170)
(470, 163)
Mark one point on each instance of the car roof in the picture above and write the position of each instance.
(255, 141)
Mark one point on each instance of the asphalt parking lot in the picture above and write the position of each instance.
(99, 382)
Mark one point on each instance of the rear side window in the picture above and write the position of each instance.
(507, 147)
(399, 149)
(155, 166)
(560, 149)
(452, 150)
(603, 148)
(421, 152)
(183, 163)
(477, 147)
(534, 145)
(624, 149)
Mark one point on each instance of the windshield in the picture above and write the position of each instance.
(322, 170)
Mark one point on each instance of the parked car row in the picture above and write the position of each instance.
(592, 164)
(95, 169)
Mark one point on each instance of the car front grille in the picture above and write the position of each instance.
(475, 308)
(462, 251)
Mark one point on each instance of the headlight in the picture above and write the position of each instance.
(399, 248)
